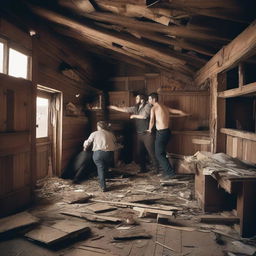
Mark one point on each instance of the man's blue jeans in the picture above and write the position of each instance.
(161, 142)
(103, 160)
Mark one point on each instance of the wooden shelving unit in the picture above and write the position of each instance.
(242, 90)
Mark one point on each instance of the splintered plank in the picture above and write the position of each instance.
(100, 207)
(127, 204)
(92, 217)
(144, 211)
(57, 232)
(17, 221)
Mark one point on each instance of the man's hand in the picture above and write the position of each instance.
(149, 131)
(132, 116)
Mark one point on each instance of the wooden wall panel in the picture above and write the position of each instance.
(194, 103)
(182, 144)
(243, 149)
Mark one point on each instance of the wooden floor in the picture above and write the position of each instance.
(165, 240)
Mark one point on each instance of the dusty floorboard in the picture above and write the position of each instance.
(52, 197)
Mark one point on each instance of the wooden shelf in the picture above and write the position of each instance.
(243, 90)
(185, 93)
(239, 133)
(192, 133)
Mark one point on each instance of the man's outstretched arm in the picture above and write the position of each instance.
(122, 109)
(177, 112)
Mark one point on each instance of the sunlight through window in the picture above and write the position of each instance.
(1, 57)
(42, 110)
(18, 64)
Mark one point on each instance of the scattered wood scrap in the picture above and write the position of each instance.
(60, 231)
(93, 217)
(217, 219)
(143, 212)
(160, 207)
(17, 222)
(173, 182)
(100, 207)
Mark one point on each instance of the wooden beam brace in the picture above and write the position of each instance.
(242, 47)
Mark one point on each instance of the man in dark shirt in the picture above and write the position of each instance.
(141, 113)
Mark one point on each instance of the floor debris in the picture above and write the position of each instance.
(138, 216)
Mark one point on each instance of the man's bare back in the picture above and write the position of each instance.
(162, 116)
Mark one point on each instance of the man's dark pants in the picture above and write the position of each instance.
(145, 140)
(161, 142)
(103, 160)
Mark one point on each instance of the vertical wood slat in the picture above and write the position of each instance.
(6, 175)
(10, 110)
(241, 148)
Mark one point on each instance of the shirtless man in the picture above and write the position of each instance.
(160, 116)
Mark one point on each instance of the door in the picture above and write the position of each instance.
(17, 134)
(43, 135)
(48, 132)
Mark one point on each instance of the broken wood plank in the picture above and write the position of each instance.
(92, 217)
(17, 221)
(162, 207)
(153, 211)
(61, 230)
(100, 207)
(217, 219)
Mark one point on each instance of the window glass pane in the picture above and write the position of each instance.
(18, 64)
(1, 57)
(42, 106)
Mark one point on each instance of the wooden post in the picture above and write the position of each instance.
(246, 208)
(213, 113)
(217, 113)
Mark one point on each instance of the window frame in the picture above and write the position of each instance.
(10, 44)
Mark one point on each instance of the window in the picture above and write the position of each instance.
(18, 64)
(42, 115)
(1, 57)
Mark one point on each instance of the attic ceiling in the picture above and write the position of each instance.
(169, 35)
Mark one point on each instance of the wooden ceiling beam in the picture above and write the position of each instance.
(160, 38)
(125, 52)
(201, 33)
(117, 41)
(228, 10)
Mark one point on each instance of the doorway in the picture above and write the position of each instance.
(48, 132)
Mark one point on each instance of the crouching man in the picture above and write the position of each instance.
(104, 145)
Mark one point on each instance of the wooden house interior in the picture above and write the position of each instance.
(63, 62)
